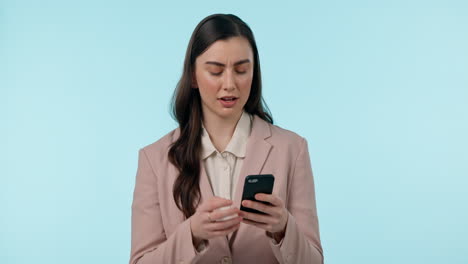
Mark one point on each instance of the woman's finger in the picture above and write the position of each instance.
(214, 203)
(271, 198)
(223, 225)
(225, 232)
(267, 209)
(220, 214)
(267, 219)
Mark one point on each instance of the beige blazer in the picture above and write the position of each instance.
(160, 234)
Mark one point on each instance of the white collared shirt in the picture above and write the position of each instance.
(223, 168)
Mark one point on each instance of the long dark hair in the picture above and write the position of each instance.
(185, 152)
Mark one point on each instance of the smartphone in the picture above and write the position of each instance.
(262, 183)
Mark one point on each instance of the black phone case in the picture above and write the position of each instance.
(253, 184)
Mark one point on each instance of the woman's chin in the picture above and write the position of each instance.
(229, 112)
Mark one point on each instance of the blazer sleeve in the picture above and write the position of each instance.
(301, 242)
(149, 243)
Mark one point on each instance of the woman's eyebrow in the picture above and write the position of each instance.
(221, 64)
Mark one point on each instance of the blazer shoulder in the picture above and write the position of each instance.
(157, 151)
(285, 136)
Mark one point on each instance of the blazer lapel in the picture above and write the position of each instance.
(206, 190)
(256, 154)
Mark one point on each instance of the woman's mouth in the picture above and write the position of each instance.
(228, 102)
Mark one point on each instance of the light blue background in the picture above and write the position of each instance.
(378, 88)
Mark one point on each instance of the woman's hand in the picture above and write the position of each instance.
(276, 216)
(204, 225)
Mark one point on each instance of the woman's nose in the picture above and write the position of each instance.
(229, 81)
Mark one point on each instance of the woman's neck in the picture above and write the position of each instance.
(220, 129)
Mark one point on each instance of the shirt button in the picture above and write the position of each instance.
(226, 260)
(224, 155)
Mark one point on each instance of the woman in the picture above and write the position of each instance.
(189, 183)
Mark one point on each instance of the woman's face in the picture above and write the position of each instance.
(223, 75)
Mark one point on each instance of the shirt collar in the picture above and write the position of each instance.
(238, 143)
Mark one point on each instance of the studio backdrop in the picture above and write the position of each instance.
(378, 88)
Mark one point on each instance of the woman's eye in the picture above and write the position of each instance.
(219, 73)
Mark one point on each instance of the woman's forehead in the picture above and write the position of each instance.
(228, 51)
